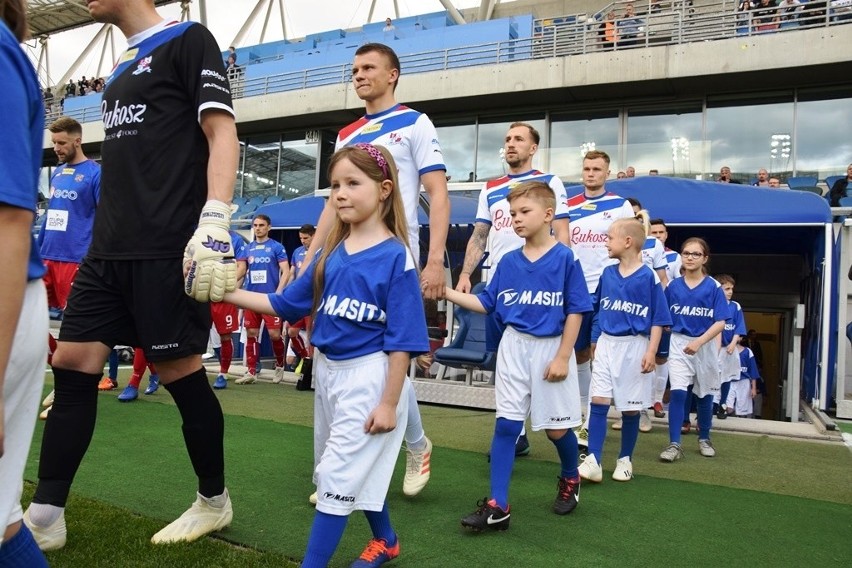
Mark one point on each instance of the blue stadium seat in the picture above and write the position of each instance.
(831, 180)
(273, 199)
(810, 188)
(467, 349)
(801, 181)
(256, 200)
(845, 201)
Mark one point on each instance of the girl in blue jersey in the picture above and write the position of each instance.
(699, 309)
(364, 294)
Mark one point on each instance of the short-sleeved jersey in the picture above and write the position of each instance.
(263, 269)
(748, 365)
(536, 297)
(695, 310)
(74, 194)
(154, 175)
(239, 246)
(412, 141)
(674, 263)
(630, 305)
(654, 254)
(299, 258)
(22, 117)
(493, 210)
(734, 323)
(590, 219)
(371, 302)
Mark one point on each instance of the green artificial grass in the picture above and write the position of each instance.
(762, 502)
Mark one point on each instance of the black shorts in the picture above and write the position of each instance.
(141, 303)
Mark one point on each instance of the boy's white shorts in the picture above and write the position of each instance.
(617, 372)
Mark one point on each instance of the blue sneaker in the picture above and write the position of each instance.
(153, 384)
(377, 553)
(129, 394)
(221, 382)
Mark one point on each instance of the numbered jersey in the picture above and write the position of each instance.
(264, 270)
(74, 194)
(299, 259)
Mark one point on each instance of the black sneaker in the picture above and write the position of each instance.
(567, 495)
(722, 413)
(487, 516)
(305, 383)
(522, 446)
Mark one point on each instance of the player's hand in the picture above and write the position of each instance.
(649, 363)
(464, 283)
(381, 420)
(692, 348)
(731, 348)
(424, 362)
(432, 281)
(209, 269)
(556, 371)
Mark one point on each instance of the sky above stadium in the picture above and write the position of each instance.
(226, 17)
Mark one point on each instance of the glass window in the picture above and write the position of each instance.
(669, 143)
(489, 146)
(750, 137)
(822, 137)
(571, 137)
(298, 175)
(260, 170)
(457, 144)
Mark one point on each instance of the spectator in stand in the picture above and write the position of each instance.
(389, 27)
(71, 89)
(789, 10)
(629, 29)
(840, 188)
(765, 16)
(743, 9)
(620, 175)
(630, 172)
(815, 13)
(774, 183)
(654, 172)
(607, 31)
(762, 178)
(232, 51)
(725, 176)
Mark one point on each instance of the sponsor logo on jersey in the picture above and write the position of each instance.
(259, 259)
(530, 298)
(635, 402)
(129, 55)
(560, 418)
(79, 177)
(216, 86)
(698, 311)
(578, 236)
(394, 138)
(212, 73)
(69, 194)
(68, 171)
(631, 308)
(144, 65)
(351, 309)
(164, 346)
(500, 220)
(339, 497)
(589, 207)
(730, 326)
(372, 128)
(122, 114)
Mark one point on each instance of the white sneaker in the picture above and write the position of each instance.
(417, 469)
(705, 447)
(247, 379)
(618, 424)
(52, 537)
(279, 375)
(590, 469)
(645, 423)
(582, 437)
(313, 498)
(673, 452)
(200, 519)
(43, 414)
(623, 469)
(48, 400)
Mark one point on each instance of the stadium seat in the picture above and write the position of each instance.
(802, 181)
(845, 201)
(273, 199)
(467, 349)
(831, 180)
(811, 188)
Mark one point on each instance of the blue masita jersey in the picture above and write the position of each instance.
(263, 272)
(74, 194)
(734, 323)
(239, 246)
(371, 303)
(299, 258)
(536, 297)
(695, 310)
(748, 365)
(22, 117)
(631, 305)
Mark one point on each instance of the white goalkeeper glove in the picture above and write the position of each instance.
(208, 259)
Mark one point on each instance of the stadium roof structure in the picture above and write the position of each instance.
(48, 17)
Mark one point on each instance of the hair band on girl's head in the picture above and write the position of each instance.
(376, 155)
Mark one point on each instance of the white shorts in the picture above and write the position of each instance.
(729, 365)
(22, 392)
(520, 388)
(354, 468)
(617, 372)
(739, 398)
(700, 370)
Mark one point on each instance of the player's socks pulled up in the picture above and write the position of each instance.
(676, 405)
(629, 434)
(506, 432)
(567, 448)
(597, 430)
(21, 551)
(705, 416)
(326, 533)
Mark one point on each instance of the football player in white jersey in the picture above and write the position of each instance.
(660, 232)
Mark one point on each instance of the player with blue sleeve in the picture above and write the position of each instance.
(632, 312)
(673, 264)
(299, 331)
(23, 303)
(729, 360)
(744, 387)
(369, 322)
(226, 317)
(699, 310)
(539, 294)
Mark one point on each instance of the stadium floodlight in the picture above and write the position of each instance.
(587, 147)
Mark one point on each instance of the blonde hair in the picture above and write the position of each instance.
(391, 210)
(537, 191)
(645, 219)
(628, 227)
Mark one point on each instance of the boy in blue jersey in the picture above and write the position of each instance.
(632, 312)
(729, 359)
(740, 401)
(301, 344)
(539, 294)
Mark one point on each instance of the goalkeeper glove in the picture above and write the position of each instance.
(208, 259)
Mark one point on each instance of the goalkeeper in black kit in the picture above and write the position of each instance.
(160, 248)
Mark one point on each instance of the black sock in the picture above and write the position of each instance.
(203, 430)
(67, 434)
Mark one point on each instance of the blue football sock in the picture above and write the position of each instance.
(506, 433)
(629, 434)
(676, 408)
(723, 393)
(21, 551)
(113, 365)
(323, 540)
(705, 416)
(597, 429)
(380, 524)
(567, 448)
